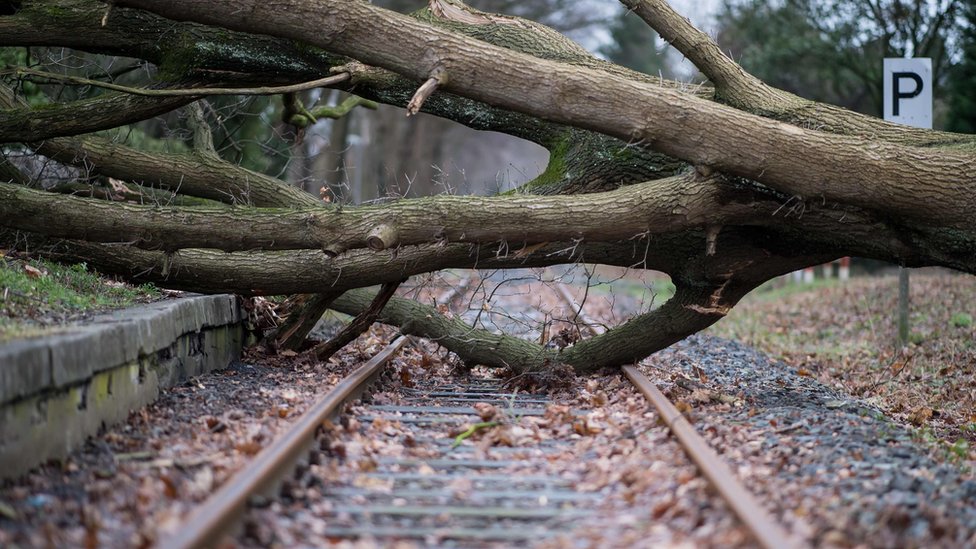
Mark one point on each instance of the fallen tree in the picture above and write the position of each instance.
(721, 187)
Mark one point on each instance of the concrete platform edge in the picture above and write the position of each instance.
(58, 390)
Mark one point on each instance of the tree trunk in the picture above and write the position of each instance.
(722, 187)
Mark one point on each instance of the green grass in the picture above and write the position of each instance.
(38, 296)
(961, 320)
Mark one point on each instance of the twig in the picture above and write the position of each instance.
(266, 90)
(472, 430)
(904, 366)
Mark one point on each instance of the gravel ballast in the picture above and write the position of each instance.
(834, 469)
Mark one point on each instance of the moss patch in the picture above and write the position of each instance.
(36, 296)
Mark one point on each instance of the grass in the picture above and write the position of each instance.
(845, 335)
(37, 297)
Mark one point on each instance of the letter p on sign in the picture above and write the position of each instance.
(908, 91)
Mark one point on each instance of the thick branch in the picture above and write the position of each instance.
(204, 176)
(697, 304)
(201, 175)
(472, 345)
(732, 83)
(83, 116)
(182, 50)
(653, 207)
(741, 89)
(293, 331)
(805, 162)
(265, 273)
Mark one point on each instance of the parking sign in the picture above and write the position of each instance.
(908, 91)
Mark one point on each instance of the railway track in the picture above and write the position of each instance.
(446, 461)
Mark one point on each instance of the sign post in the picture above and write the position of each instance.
(907, 100)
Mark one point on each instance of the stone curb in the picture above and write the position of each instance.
(57, 390)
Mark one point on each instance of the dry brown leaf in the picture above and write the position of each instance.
(586, 426)
(34, 272)
(248, 448)
(485, 411)
(367, 465)
(169, 487)
(661, 507)
(405, 378)
(557, 414)
(921, 415)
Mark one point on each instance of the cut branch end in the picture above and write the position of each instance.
(333, 251)
(382, 237)
(424, 91)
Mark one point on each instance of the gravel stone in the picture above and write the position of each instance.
(830, 466)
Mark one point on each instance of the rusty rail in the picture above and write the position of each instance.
(218, 514)
(767, 532)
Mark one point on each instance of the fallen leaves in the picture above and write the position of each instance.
(33, 272)
(920, 416)
(487, 412)
(845, 336)
(248, 448)
(586, 426)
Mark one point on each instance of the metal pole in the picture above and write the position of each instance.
(903, 327)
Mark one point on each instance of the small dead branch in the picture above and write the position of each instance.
(359, 324)
(695, 387)
(293, 331)
(426, 90)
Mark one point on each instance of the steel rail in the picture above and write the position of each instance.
(767, 532)
(212, 519)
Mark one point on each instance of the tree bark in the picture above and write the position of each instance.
(726, 187)
(903, 181)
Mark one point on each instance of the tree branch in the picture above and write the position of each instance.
(358, 325)
(666, 205)
(880, 176)
(472, 345)
(292, 332)
(732, 84)
(180, 92)
(103, 112)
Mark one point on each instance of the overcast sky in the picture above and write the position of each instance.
(699, 11)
